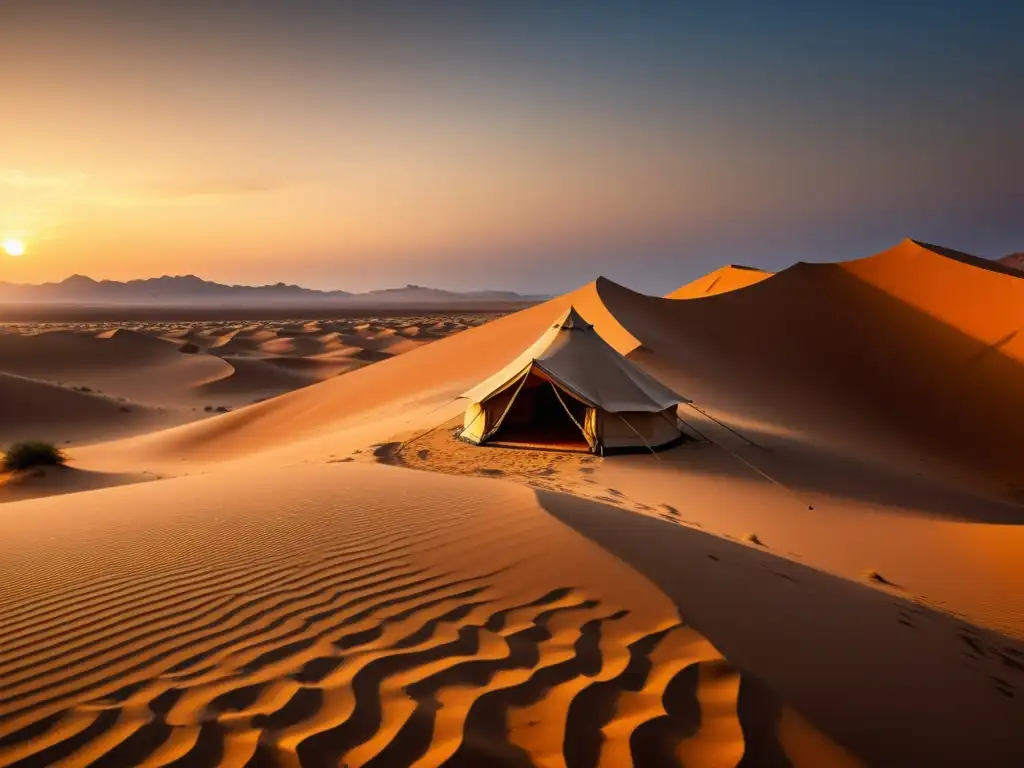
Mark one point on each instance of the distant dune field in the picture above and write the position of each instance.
(86, 382)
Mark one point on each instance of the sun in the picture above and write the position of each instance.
(13, 247)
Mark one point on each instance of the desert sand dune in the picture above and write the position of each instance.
(292, 345)
(410, 394)
(235, 345)
(316, 368)
(220, 331)
(947, 548)
(39, 410)
(123, 364)
(257, 332)
(339, 624)
(409, 385)
(180, 370)
(902, 684)
(910, 356)
(333, 341)
(252, 378)
(56, 347)
(41, 482)
(812, 348)
(382, 343)
(319, 615)
(296, 603)
(722, 280)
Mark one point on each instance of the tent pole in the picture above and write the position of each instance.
(504, 413)
(560, 400)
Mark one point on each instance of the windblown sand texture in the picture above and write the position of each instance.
(467, 626)
(830, 577)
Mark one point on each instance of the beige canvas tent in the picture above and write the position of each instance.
(572, 390)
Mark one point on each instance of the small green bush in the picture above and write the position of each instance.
(32, 454)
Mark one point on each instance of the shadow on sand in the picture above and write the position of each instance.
(892, 681)
(809, 470)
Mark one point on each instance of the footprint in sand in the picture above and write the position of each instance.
(1004, 687)
(1010, 661)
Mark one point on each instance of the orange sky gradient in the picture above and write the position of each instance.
(257, 147)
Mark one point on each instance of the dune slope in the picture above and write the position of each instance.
(319, 617)
(730, 278)
(396, 388)
(911, 356)
(122, 363)
(38, 410)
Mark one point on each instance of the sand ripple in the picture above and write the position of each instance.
(358, 633)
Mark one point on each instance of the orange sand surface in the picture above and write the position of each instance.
(721, 280)
(91, 382)
(827, 574)
(347, 613)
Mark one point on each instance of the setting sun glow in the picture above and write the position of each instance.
(14, 247)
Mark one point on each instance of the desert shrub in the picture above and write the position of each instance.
(32, 454)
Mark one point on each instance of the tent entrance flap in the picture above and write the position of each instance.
(543, 417)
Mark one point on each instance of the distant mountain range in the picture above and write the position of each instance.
(1015, 260)
(190, 290)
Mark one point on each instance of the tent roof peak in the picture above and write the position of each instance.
(572, 320)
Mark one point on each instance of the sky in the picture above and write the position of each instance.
(526, 145)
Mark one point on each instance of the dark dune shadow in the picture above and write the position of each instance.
(809, 470)
(895, 683)
(56, 481)
(974, 261)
